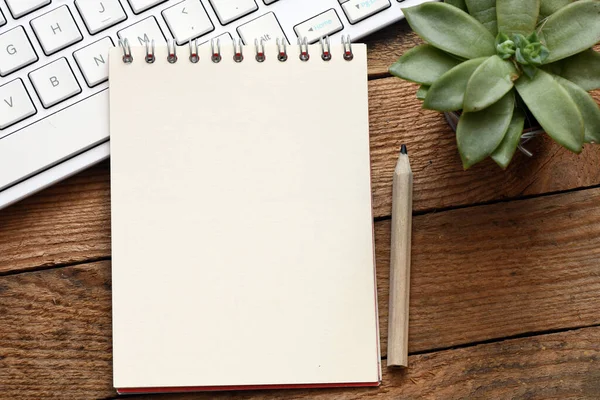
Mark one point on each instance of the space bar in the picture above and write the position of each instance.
(53, 139)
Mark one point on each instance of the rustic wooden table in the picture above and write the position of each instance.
(505, 298)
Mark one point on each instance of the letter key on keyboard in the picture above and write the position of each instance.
(18, 8)
(319, 26)
(54, 83)
(56, 30)
(187, 20)
(266, 28)
(357, 10)
(15, 104)
(15, 51)
(93, 61)
(46, 142)
(142, 32)
(100, 14)
(142, 5)
(230, 10)
(2, 19)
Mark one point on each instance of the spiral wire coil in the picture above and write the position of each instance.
(238, 50)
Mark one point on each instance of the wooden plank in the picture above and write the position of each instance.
(55, 342)
(499, 270)
(439, 180)
(67, 223)
(55, 334)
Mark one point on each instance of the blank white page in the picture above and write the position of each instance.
(242, 232)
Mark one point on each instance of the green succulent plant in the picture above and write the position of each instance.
(500, 61)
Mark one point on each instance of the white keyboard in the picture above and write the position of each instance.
(54, 73)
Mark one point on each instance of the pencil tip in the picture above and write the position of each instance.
(403, 149)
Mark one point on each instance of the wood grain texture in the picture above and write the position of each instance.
(499, 270)
(67, 223)
(55, 334)
(55, 342)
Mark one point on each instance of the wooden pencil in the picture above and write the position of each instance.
(400, 262)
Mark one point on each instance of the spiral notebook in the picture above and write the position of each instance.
(242, 232)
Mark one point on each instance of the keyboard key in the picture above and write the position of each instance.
(56, 30)
(142, 32)
(16, 51)
(187, 20)
(54, 82)
(56, 137)
(324, 24)
(93, 61)
(266, 27)
(230, 10)
(142, 5)
(2, 19)
(357, 10)
(18, 8)
(15, 104)
(100, 14)
(267, 2)
(224, 39)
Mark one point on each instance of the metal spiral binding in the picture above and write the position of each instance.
(216, 55)
(238, 50)
(347, 43)
(194, 57)
(304, 55)
(325, 49)
(281, 50)
(150, 51)
(127, 57)
(260, 52)
(172, 49)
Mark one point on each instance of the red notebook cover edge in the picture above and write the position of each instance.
(184, 389)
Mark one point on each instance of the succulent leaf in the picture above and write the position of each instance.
(480, 133)
(458, 3)
(507, 148)
(423, 64)
(582, 69)
(549, 7)
(448, 92)
(450, 29)
(505, 47)
(529, 70)
(489, 83)
(422, 92)
(553, 108)
(484, 11)
(572, 29)
(517, 16)
(590, 111)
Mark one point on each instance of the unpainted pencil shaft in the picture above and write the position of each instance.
(400, 263)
